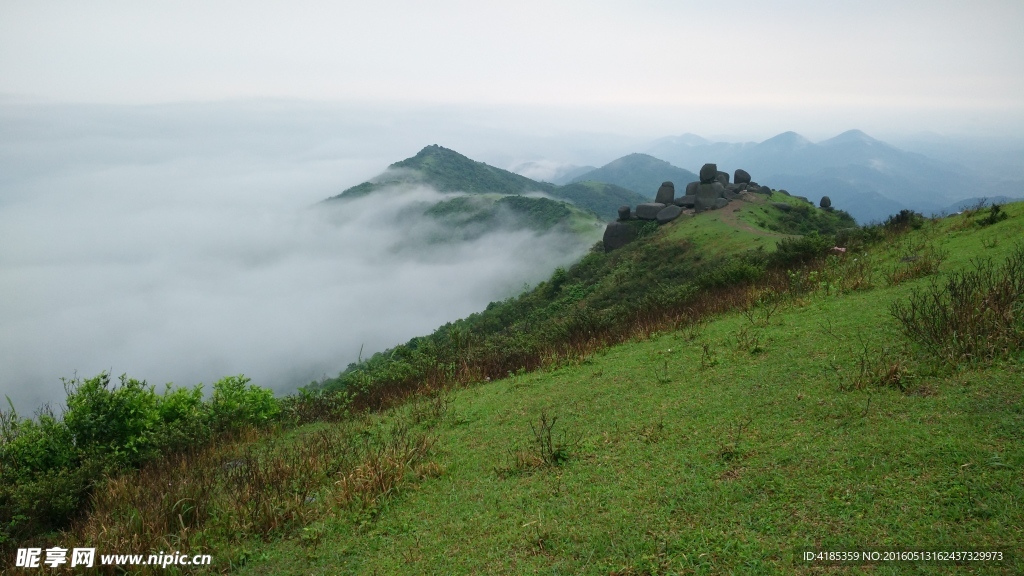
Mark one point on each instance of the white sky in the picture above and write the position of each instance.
(936, 64)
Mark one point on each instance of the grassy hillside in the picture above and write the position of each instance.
(713, 398)
(642, 174)
(599, 299)
(722, 447)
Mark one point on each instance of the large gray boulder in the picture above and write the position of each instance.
(669, 213)
(666, 193)
(691, 188)
(741, 176)
(826, 202)
(648, 211)
(706, 196)
(708, 173)
(764, 190)
(686, 201)
(704, 204)
(713, 190)
(624, 213)
(722, 177)
(709, 202)
(617, 235)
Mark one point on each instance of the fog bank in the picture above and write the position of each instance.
(184, 258)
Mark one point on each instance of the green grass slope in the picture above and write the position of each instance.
(807, 422)
(714, 398)
(640, 173)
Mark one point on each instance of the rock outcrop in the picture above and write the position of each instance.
(668, 214)
(708, 173)
(666, 193)
(706, 196)
(713, 192)
(686, 201)
(617, 235)
(648, 211)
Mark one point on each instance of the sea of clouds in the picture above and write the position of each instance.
(187, 247)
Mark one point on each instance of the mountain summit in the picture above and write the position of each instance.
(785, 141)
(446, 170)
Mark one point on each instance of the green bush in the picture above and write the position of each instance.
(49, 465)
(800, 250)
(994, 216)
(733, 271)
(42, 483)
(116, 421)
(234, 404)
(905, 220)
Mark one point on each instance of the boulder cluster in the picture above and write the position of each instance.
(712, 192)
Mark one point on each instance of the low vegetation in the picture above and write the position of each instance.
(50, 465)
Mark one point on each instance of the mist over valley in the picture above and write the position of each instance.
(185, 245)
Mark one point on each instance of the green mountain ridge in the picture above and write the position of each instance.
(448, 171)
(601, 197)
(470, 216)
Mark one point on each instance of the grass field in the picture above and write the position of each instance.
(720, 448)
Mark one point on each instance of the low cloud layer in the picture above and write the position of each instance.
(190, 267)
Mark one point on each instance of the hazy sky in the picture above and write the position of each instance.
(728, 65)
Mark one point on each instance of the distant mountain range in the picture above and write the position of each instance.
(448, 171)
(864, 176)
(861, 175)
